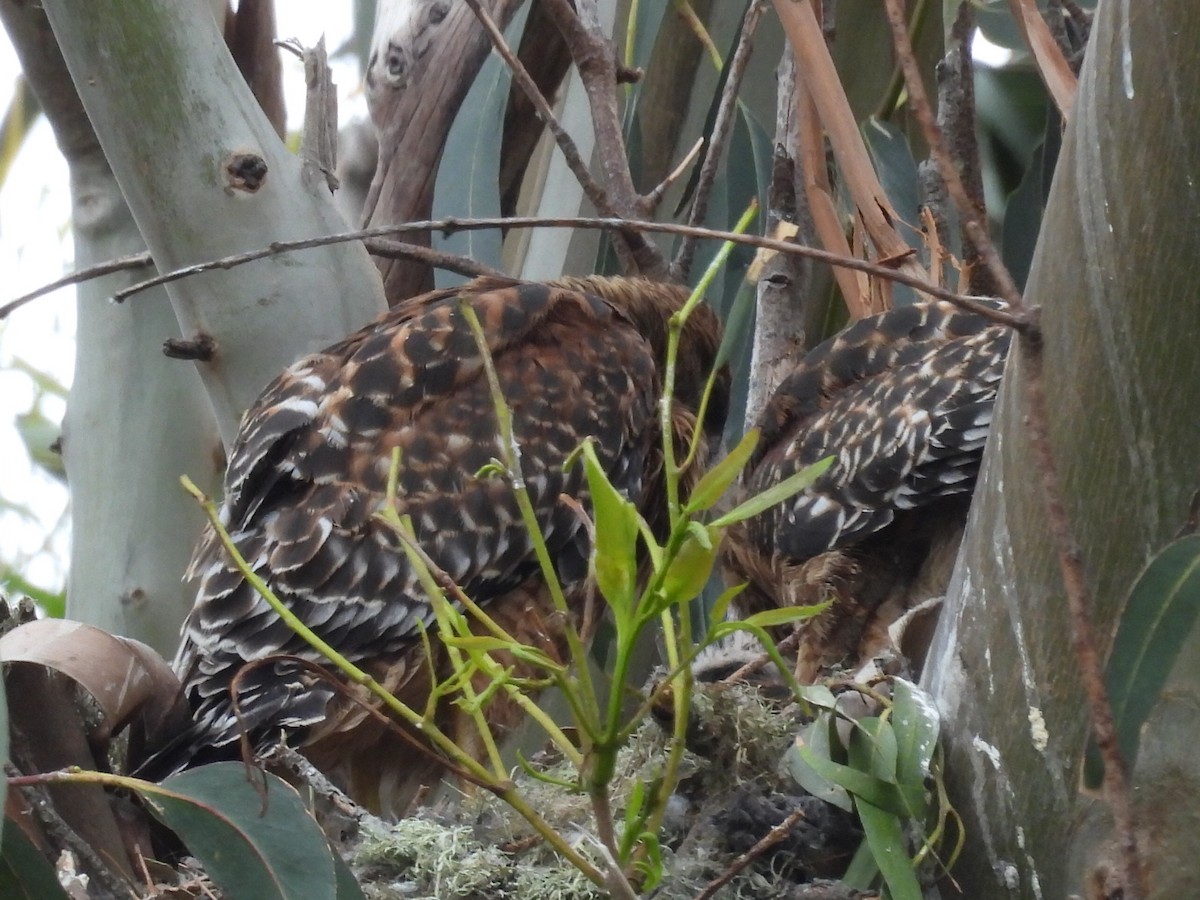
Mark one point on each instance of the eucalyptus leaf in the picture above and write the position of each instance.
(251, 845)
(775, 494)
(915, 721)
(25, 874)
(885, 836)
(816, 737)
(1158, 619)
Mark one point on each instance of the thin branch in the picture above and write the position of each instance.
(971, 215)
(1052, 65)
(525, 82)
(449, 225)
(769, 840)
(451, 262)
(120, 264)
(722, 127)
(109, 882)
(824, 85)
(597, 64)
(651, 200)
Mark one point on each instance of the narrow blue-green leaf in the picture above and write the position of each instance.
(860, 875)
(643, 27)
(860, 784)
(713, 484)
(279, 854)
(616, 539)
(775, 494)
(873, 749)
(25, 874)
(816, 737)
(915, 721)
(1155, 625)
(468, 178)
(885, 836)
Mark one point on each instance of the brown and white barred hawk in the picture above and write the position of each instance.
(902, 401)
(576, 359)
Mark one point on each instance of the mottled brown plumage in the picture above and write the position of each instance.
(576, 359)
(903, 402)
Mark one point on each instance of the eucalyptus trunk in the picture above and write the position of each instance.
(1113, 275)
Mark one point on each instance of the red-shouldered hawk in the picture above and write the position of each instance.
(902, 401)
(576, 358)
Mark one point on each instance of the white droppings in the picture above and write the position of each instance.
(1037, 729)
(1012, 878)
(988, 750)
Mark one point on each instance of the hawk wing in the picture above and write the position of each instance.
(309, 469)
(902, 401)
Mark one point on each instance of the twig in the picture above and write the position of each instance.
(1052, 65)
(525, 82)
(120, 264)
(597, 64)
(970, 214)
(722, 127)
(651, 200)
(825, 87)
(56, 827)
(439, 259)
(769, 840)
(448, 225)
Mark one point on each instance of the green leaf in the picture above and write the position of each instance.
(915, 721)
(276, 853)
(873, 749)
(721, 605)
(689, 571)
(885, 836)
(861, 784)
(616, 538)
(25, 874)
(774, 495)
(347, 884)
(816, 737)
(785, 615)
(712, 486)
(1156, 623)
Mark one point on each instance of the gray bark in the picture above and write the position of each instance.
(135, 420)
(172, 114)
(1113, 274)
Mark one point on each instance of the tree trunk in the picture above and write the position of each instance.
(1113, 274)
(205, 176)
(135, 420)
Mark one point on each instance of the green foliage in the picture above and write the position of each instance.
(882, 770)
(255, 840)
(1157, 622)
(25, 874)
